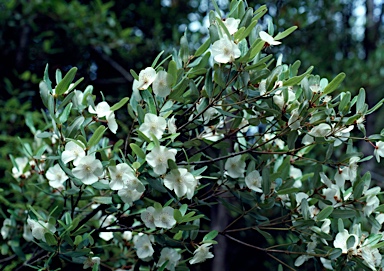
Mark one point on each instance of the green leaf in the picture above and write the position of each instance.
(78, 240)
(282, 35)
(119, 104)
(67, 80)
(334, 253)
(96, 136)
(74, 127)
(177, 215)
(265, 234)
(211, 235)
(288, 191)
(172, 70)
(216, 7)
(50, 239)
(377, 106)
(134, 75)
(148, 98)
(325, 213)
(334, 84)
(157, 59)
(360, 104)
(184, 48)
(246, 32)
(204, 47)
(297, 79)
(137, 150)
(65, 114)
(103, 200)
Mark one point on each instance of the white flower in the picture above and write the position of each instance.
(180, 180)
(127, 235)
(120, 175)
(158, 158)
(111, 121)
(143, 246)
(253, 181)
(90, 262)
(73, 152)
(78, 100)
(88, 170)
(341, 135)
(18, 171)
(172, 125)
(321, 130)
(279, 100)
(201, 254)
(379, 150)
(341, 241)
(294, 120)
(7, 224)
(310, 250)
(56, 176)
(39, 228)
(128, 195)
(102, 109)
(106, 221)
(27, 233)
(153, 125)
(148, 218)
(162, 84)
(170, 255)
(307, 140)
(268, 38)
(135, 184)
(164, 218)
(146, 77)
(232, 25)
(235, 167)
(225, 50)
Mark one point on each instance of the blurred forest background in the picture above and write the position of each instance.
(105, 39)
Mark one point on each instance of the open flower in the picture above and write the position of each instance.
(88, 170)
(164, 218)
(341, 242)
(162, 84)
(148, 218)
(235, 167)
(201, 254)
(73, 152)
(321, 130)
(120, 175)
(253, 181)
(268, 38)
(56, 176)
(153, 125)
(379, 150)
(158, 158)
(102, 109)
(18, 171)
(5, 229)
(225, 50)
(170, 255)
(143, 246)
(146, 78)
(180, 180)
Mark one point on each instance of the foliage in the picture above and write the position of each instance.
(227, 124)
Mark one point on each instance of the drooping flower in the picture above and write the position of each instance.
(342, 134)
(321, 130)
(111, 122)
(102, 109)
(143, 246)
(158, 158)
(294, 120)
(180, 180)
(120, 174)
(88, 170)
(18, 171)
(201, 254)
(170, 255)
(128, 195)
(232, 25)
(153, 125)
(90, 262)
(39, 228)
(379, 150)
(268, 38)
(5, 229)
(56, 176)
(146, 78)
(225, 50)
(162, 84)
(172, 125)
(235, 167)
(73, 152)
(253, 181)
(341, 242)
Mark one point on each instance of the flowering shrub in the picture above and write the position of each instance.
(227, 124)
